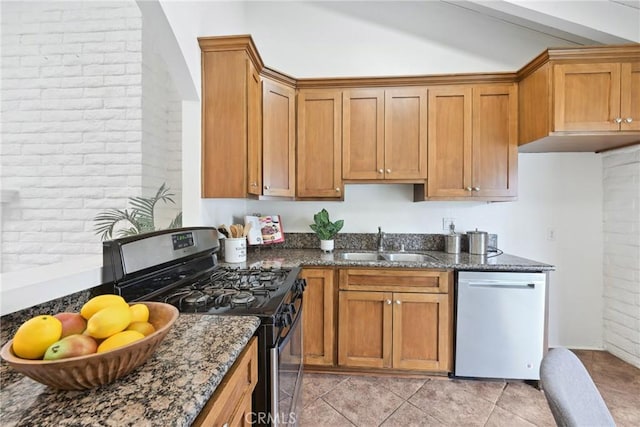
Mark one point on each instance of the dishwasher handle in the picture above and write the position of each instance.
(497, 284)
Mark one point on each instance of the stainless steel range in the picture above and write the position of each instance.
(180, 267)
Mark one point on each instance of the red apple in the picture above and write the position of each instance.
(72, 323)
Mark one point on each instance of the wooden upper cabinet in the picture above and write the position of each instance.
(278, 139)
(385, 134)
(254, 131)
(319, 149)
(587, 97)
(449, 145)
(495, 141)
(363, 134)
(583, 99)
(473, 151)
(597, 97)
(405, 133)
(224, 123)
(319, 333)
(630, 96)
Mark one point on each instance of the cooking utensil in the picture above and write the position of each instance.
(247, 228)
(223, 231)
(240, 230)
(234, 231)
(228, 230)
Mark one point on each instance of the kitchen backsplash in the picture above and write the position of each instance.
(369, 242)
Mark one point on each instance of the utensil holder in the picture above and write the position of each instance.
(235, 249)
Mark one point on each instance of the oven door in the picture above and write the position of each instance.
(286, 372)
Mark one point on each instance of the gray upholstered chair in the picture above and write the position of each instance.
(572, 396)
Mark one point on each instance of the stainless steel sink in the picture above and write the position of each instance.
(386, 256)
(361, 256)
(408, 257)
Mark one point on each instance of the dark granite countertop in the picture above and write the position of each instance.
(463, 261)
(170, 389)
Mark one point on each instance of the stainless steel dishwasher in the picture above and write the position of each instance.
(500, 328)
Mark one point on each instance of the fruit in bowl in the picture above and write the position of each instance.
(98, 355)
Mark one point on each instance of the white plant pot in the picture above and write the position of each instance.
(326, 245)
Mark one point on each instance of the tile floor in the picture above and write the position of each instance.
(364, 401)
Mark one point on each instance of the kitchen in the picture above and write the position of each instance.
(556, 197)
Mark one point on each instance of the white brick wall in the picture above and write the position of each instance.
(72, 124)
(621, 213)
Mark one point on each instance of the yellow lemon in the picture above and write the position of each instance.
(119, 340)
(139, 313)
(145, 328)
(109, 321)
(96, 304)
(36, 335)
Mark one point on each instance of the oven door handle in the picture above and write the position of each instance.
(282, 341)
(275, 363)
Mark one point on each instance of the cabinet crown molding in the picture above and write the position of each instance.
(582, 54)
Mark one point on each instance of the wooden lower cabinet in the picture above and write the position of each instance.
(365, 328)
(318, 328)
(383, 328)
(230, 404)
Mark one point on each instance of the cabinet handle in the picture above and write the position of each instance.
(388, 302)
(337, 190)
(398, 301)
(388, 170)
(380, 171)
(476, 188)
(618, 120)
(628, 120)
(468, 188)
(266, 187)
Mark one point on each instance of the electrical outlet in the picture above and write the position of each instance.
(446, 222)
(551, 234)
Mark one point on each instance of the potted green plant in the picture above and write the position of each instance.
(325, 229)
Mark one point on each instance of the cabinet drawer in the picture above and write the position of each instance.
(230, 397)
(396, 280)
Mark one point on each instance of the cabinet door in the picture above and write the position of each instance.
(254, 131)
(319, 151)
(449, 144)
(421, 332)
(363, 134)
(278, 139)
(405, 133)
(630, 96)
(224, 124)
(587, 97)
(494, 141)
(319, 314)
(364, 331)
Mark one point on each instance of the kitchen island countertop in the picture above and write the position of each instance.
(170, 389)
(463, 261)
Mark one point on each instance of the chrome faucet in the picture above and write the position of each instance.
(380, 239)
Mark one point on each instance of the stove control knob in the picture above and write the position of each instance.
(289, 309)
(284, 319)
(300, 285)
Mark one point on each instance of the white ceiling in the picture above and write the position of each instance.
(584, 22)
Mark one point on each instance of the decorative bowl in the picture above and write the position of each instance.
(93, 370)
